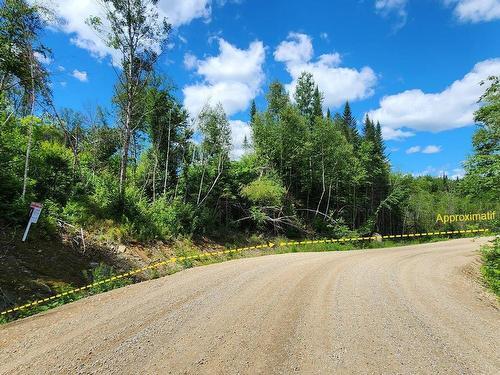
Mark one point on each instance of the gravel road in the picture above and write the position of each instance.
(407, 310)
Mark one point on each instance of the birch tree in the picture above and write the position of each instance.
(134, 28)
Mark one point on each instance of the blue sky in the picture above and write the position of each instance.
(414, 65)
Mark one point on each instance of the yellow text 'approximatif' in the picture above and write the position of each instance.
(466, 217)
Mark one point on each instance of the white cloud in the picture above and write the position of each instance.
(44, 59)
(338, 84)
(475, 10)
(431, 149)
(397, 7)
(80, 75)
(233, 78)
(190, 61)
(239, 130)
(73, 14)
(61, 68)
(449, 109)
(63, 83)
(395, 134)
(324, 36)
(297, 49)
(183, 12)
(413, 150)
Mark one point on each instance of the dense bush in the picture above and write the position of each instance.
(491, 265)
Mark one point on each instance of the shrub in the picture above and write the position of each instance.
(264, 191)
(491, 265)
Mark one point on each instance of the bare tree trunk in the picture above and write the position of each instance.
(354, 207)
(30, 128)
(168, 156)
(201, 182)
(124, 158)
(323, 184)
(329, 196)
(154, 175)
(219, 173)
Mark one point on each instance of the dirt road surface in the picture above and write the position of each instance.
(407, 310)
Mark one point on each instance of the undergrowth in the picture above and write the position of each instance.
(491, 265)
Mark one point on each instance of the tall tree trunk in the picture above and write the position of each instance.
(124, 159)
(154, 174)
(201, 182)
(329, 196)
(323, 185)
(30, 128)
(168, 157)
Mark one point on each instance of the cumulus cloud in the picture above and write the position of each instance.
(239, 130)
(233, 78)
(431, 149)
(475, 10)
(338, 84)
(80, 75)
(397, 7)
(413, 150)
(71, 16)
(449, 109)
(395, 134)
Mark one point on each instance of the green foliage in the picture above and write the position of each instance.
(264, 191)
(491, 265)
(483, 167)
(103, 272)
(143, 174)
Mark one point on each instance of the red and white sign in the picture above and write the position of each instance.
(35, 213)
(36, 208)
(36, 205)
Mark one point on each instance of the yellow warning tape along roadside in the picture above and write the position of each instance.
(222, 252)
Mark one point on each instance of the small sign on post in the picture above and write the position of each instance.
(36, 208)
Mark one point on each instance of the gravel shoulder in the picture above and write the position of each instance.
(414, 309)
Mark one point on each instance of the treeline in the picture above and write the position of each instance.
(140, 170)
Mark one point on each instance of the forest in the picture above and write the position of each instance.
(142, 168)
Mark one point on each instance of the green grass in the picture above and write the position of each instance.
(491, 265)
(185, 249)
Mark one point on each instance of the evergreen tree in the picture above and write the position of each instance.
(369, 131)
(253, 111)
(304, 95)
(317, 103)
(350, 126)
(328, 114)
(379, 140)
(277, 99)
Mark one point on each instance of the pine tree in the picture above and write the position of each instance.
(253, 111)
(369, 131)
(328, 114)
(379, 140)
(317, 103)
(304, 94)
(350, 129)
